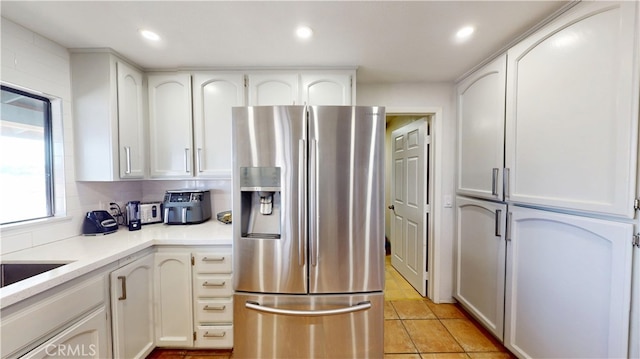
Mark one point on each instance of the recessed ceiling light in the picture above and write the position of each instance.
(304, 32)
(465, 32)
(149, 35)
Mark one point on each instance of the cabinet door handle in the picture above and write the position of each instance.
(505, 180)
(214, 335)
(123, 285)
(207, 284)
(199, 159)
(494, 182)
(186, 160)
(498, 233)
(212, 259)
(127, 151)
(218, 308)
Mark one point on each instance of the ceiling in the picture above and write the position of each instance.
(388, 41)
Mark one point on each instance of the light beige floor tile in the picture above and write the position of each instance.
(469, 336)
(444, 356)
(446, 310)
(394, 294)
(430, 336)
(491, 355)
(396, 338)
(389, 311)
(413, 309)
(402, 356)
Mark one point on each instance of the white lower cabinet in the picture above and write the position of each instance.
(193, 297)
(213, 298)
(88, 338)
(69, 320)
(568, 286)
(172, 299)
(132, 308)
(480, 262)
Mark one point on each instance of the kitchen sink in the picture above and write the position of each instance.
(14, 272)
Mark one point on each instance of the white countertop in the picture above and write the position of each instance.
(87, 253)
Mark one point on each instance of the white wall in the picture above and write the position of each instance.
(429, 95)
(36, 63)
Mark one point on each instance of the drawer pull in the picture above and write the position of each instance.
(220, 308)
(214, 335)
(207, 284)
(214, 259)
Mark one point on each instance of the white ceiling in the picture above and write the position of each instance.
(389, 41)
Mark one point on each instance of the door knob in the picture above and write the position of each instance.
(392, 207)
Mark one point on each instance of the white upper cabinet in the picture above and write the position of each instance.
(572, 111)
(170, 125)
(266, 89)
(214, 95)
(131, 124)
(327, 89)
(568, 286)
(312, 87)
(109, 118)
(481, 102)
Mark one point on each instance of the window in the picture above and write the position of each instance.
(26, 165)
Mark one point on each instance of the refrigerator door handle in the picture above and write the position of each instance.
(308, 313)
(313, 205)
(302, 204)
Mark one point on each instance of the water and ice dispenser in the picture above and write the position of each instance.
(260, 202)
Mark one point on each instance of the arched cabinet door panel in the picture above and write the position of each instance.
(480, 101)
(568, 285)
(572, 111)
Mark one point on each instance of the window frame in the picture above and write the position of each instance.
(48, 153)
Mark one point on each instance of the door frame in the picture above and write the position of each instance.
(434, 227)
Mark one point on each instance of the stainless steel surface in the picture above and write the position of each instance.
(494, 181)
(308, 231)
(187, 206)
(309, 313)
(127, 151)
(345, 201)
(498, 231)
(151, 212)
(268, 137)
(349, 335)
(349, 199)
(14, 272)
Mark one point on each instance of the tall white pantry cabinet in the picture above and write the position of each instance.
(552, 276)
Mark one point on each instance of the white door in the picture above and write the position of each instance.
(480, 260)
(132, 309)
(214, 94)
(410, 208)
(568, 285)
(131, 125)
(481, 98)
(172, 293)
(170, 126)
(271, 89)
(572, 111)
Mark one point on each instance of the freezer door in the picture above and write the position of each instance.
(311, 326)
(346, 199)
(269, 199)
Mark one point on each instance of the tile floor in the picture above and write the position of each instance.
(414, 328)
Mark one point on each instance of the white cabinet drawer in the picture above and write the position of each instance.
(213, 262)
(219, 336)
(214, 311)
(212, 286)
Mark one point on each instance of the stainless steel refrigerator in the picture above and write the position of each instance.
(308, 227)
